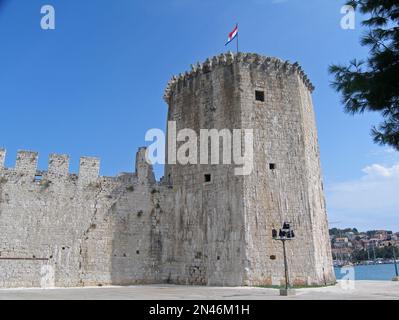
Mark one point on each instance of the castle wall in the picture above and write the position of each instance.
(284, 136)
(209, 244)
(62, 229)
(58, 229)
(316, 200)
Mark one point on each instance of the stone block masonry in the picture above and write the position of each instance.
(62, 229)
(2, 158)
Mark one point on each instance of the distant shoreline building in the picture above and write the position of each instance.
(201, 225)
(362, 247)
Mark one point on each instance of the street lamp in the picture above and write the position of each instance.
(286, 233)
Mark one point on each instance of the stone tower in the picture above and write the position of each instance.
(222, 221)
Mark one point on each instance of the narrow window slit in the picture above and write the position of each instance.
(259, 95)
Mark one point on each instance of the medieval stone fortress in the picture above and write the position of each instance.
(201, 224)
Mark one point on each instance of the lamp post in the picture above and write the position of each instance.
(286, 233)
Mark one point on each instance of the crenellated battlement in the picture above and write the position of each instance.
(247, 59)
(63, 229)
(26, 167)
(89, 169)
(2, 158)
(58, 165)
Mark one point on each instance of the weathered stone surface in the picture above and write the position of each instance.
(230, 221)
(62, 229)
(69, 230)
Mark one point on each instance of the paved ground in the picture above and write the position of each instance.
(361, 290)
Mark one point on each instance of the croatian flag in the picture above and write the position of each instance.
(232, 35)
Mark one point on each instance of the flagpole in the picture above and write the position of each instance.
(237, 37)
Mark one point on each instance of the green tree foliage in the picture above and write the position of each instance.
(383, 253)
(341, 232)
(373, 85)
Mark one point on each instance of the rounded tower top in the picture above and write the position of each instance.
(247, 59)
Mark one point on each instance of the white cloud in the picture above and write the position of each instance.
(377, 170)
(372, 201)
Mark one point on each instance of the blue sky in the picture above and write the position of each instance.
(94, 85)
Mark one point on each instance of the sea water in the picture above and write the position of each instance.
(367, 272)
